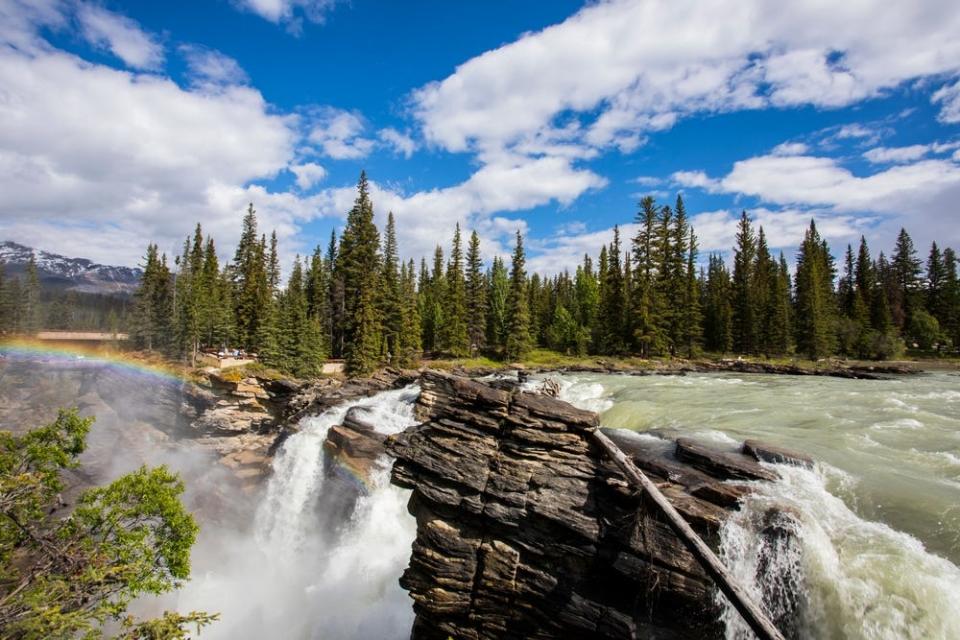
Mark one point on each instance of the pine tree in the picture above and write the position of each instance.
(30, 313)
(392, 310)
(409, 346)
(718, 310)
(476, 296)
(935, 285)
(6, 307)
(612, 307)
(691, 329)
(518, 313)
(648, 317)
(273, 264)
(815, 324)
(779, 325)
(951, 297)
(252, 291)
(359, 264)
(744, 303)
(764, 281)
(906, 274)
(497, 310)
(456, 340)
(587, 295)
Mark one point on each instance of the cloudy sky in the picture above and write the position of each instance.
(125, 122)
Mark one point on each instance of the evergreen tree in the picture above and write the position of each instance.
(518, 314)
(587, 295)
(497, 310)
(391, 292)
(612, 300)
(718, 310)
(648, 319)
(359, 264)
(936, 274)
(691, 330)
(476, 296)
(252, 292)
(456, 340)
(815, 324)
(951, 297)
(6, 306)
(409, 347)
(764, 282)
(744, 303)
(906, 276)
(778, 308)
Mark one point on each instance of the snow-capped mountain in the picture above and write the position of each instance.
(75, 274)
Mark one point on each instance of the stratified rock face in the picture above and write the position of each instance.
(525, 531)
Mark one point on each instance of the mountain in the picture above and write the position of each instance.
(72, 274)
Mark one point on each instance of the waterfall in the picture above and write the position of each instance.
(855, 578)
(294, 575)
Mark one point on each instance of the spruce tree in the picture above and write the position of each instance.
(391, 292)
(744, 303)
(587, 294)
(780, 329)
(951, 297)
(456, 340)
(648, 319)
(359, 264)
(518, 314)
(612, 307)
(497, 309)
(718, 310)
(815, 322)
(409, 346)
(476, 295)
(906, 274)
(935, 285)
(691, 329)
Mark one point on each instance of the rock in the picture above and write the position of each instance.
(725, 466)
(525, 530)
(765, 452)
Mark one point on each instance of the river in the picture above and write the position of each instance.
(879, 514)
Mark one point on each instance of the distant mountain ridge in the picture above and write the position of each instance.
(72, 274)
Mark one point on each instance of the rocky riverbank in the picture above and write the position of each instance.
(524, 530)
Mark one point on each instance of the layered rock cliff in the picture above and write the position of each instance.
(526, 531)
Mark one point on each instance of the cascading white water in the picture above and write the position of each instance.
(294, 576)
(859, 579)
(875, 518)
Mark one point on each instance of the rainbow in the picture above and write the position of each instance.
(73, 355)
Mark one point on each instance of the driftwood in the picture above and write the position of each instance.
(751, 612)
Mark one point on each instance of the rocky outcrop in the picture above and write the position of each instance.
(524, 530)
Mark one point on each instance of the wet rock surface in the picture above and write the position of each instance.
(526, 531)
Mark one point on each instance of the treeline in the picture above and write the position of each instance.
(26, 306)
(645, 295)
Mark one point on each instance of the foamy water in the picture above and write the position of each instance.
(295, 575)
(878, 518)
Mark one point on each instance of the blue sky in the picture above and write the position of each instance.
(124, 122)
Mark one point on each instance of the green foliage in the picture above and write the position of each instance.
(518, 312)
(63, 577)
(455, 339)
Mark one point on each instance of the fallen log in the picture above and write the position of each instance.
(751, 611)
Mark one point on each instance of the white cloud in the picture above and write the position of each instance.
(901, 195)
(121, 36)
(644, 64)
(949, 97)
(896, 155)
(308, 174)
(338, 133)
(695, 179)
(290, 11)
(790, 149)
(855, 130)
(94, 151)
(401, 143)
(207, 66)
(648, 181)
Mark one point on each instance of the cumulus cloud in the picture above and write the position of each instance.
(890, 198)
(401, 143)
(894, 155)
(121, 36)
(207, 66)
(308, 174)
(642, 65)
(339, 134)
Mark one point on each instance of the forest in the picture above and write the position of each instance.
(646, 296)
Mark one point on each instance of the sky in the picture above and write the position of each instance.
(123, 123)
